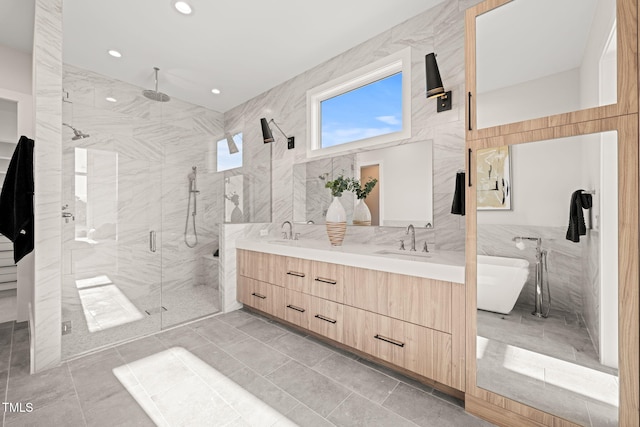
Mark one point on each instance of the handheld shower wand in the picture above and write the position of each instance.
(541, 269)
(192, 191)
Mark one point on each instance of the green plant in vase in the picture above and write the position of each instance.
(338, 186)
(361, 213)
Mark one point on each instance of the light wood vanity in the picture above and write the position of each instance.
(412, 324)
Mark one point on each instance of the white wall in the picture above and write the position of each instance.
(599, 34)
(406, 173)
(543, 176)
(530, 100)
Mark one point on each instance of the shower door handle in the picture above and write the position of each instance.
(152, 241)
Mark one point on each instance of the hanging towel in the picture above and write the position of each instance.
(16, 200)
(577, 227)
(458, 205)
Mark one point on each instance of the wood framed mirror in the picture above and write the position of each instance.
(534, 64)
(517, 373)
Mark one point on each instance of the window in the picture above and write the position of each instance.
(226, 159)
(367, 107)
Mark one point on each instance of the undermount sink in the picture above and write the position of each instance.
(406, 253)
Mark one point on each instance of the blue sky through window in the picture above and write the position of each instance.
(368, 111)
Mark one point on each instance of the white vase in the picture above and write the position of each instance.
(336, 222)
(361, 213)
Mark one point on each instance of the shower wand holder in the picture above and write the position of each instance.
(291, 142)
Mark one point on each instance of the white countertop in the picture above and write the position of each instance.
(439, 265)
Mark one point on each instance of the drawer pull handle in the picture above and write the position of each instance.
(323, 280)
(326, 319)
(295, 273)
(389, 340)
(293, 307)
(259, 296)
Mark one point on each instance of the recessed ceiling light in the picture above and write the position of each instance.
(215, 91)
(115, 53)
(111, 99)
(183, 7)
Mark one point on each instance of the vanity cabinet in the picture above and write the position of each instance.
(415, 324)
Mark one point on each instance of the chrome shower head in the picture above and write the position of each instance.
(77, 134)
(154, 95)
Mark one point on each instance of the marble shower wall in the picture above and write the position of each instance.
(155, 146)
(440, 30)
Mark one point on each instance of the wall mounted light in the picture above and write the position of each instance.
(233, 148)
(435, 89)
(267, 136)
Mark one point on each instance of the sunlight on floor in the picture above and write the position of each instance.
(569, 376)
(174, 387)
(104, 305)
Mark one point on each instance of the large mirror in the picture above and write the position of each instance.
(403, 194)
(547, 276)
(537, 58)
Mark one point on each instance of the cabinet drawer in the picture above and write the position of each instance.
(326, 318)
(418, 349)
(297, 308)
(327, 281)
(260, 266)
(261, 296)
(425, 302)
(297, 274)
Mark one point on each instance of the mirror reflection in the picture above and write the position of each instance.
(536, 58)
(403, 193)
(547, 283)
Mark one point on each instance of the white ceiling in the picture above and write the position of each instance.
(242, 47)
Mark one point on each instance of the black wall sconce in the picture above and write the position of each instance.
(267, 136)
(434, 84)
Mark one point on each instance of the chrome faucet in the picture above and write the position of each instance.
(413, 237)
(288, 235)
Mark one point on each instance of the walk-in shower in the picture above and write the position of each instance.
(193, 191)
(542, 273)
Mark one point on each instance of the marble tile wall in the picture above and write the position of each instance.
(47, 81)
(155, 146)
(440, 30)
(591, 286)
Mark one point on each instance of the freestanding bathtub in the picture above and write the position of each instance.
(500, 281)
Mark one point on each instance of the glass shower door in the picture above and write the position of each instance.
(111, 251)
(190, 216)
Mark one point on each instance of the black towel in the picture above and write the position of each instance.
(16, 200)
(577, 227)
(458, 206)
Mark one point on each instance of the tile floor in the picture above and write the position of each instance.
(236, 369)
(547, 363)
